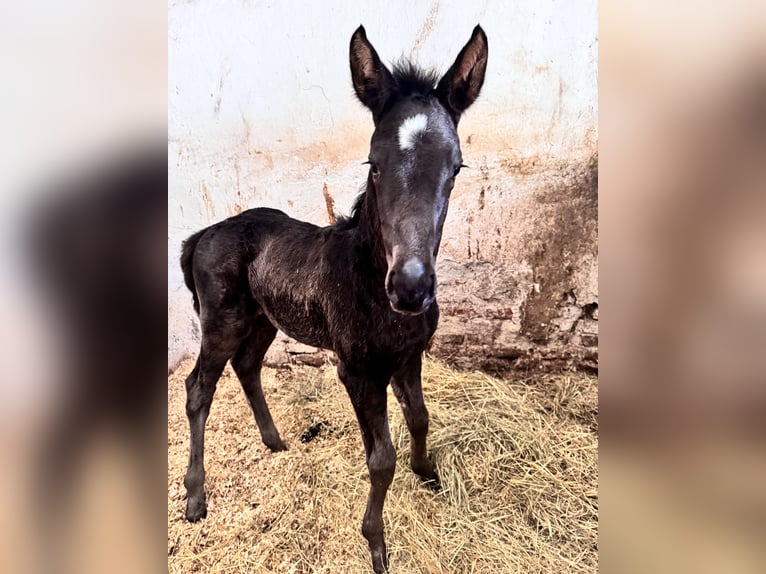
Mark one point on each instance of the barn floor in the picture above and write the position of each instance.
(517, 460)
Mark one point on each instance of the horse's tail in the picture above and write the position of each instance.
(187, 256)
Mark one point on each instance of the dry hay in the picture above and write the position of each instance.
(517, 460)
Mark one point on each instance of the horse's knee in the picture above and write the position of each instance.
(382, 465)
(195, 404)
(198, 399)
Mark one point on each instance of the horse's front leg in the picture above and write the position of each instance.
(406, 384)
(368, 396)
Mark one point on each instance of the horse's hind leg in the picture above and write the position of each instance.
(200, 387)
(247, 364)
(406, 384)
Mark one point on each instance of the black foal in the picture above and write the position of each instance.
(364, 288)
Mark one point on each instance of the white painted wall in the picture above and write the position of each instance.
(262, 113)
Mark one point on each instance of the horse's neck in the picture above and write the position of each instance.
(368, 230)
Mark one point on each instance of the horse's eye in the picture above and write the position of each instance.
(375, 170)
(457, 171)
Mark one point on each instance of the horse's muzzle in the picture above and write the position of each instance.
(411, 287)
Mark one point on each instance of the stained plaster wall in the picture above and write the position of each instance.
(261, 113)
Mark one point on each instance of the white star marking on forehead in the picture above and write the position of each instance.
(410, 129)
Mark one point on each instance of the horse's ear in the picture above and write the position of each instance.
(372, 80)
(460, 86)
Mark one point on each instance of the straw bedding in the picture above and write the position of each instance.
(517, 460)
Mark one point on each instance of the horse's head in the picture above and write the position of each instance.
(414, 158)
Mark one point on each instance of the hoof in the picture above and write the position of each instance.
(277, 446)
(433, 484)
(427, 473)
(195, 510)
(429, 478)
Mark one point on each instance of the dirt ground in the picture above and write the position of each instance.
(517, 460)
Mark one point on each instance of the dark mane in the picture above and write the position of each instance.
(411, 80)
(345, 222)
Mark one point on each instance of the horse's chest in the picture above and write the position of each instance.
(388, 337)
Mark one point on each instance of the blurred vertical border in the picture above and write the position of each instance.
(682, 386)
(83, 261)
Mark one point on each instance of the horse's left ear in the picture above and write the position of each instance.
(461, 85)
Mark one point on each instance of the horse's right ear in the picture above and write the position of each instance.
(372, 80)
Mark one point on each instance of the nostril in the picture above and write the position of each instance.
(432, 285)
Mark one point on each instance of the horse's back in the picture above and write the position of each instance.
(249, 260)
(244, 235)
